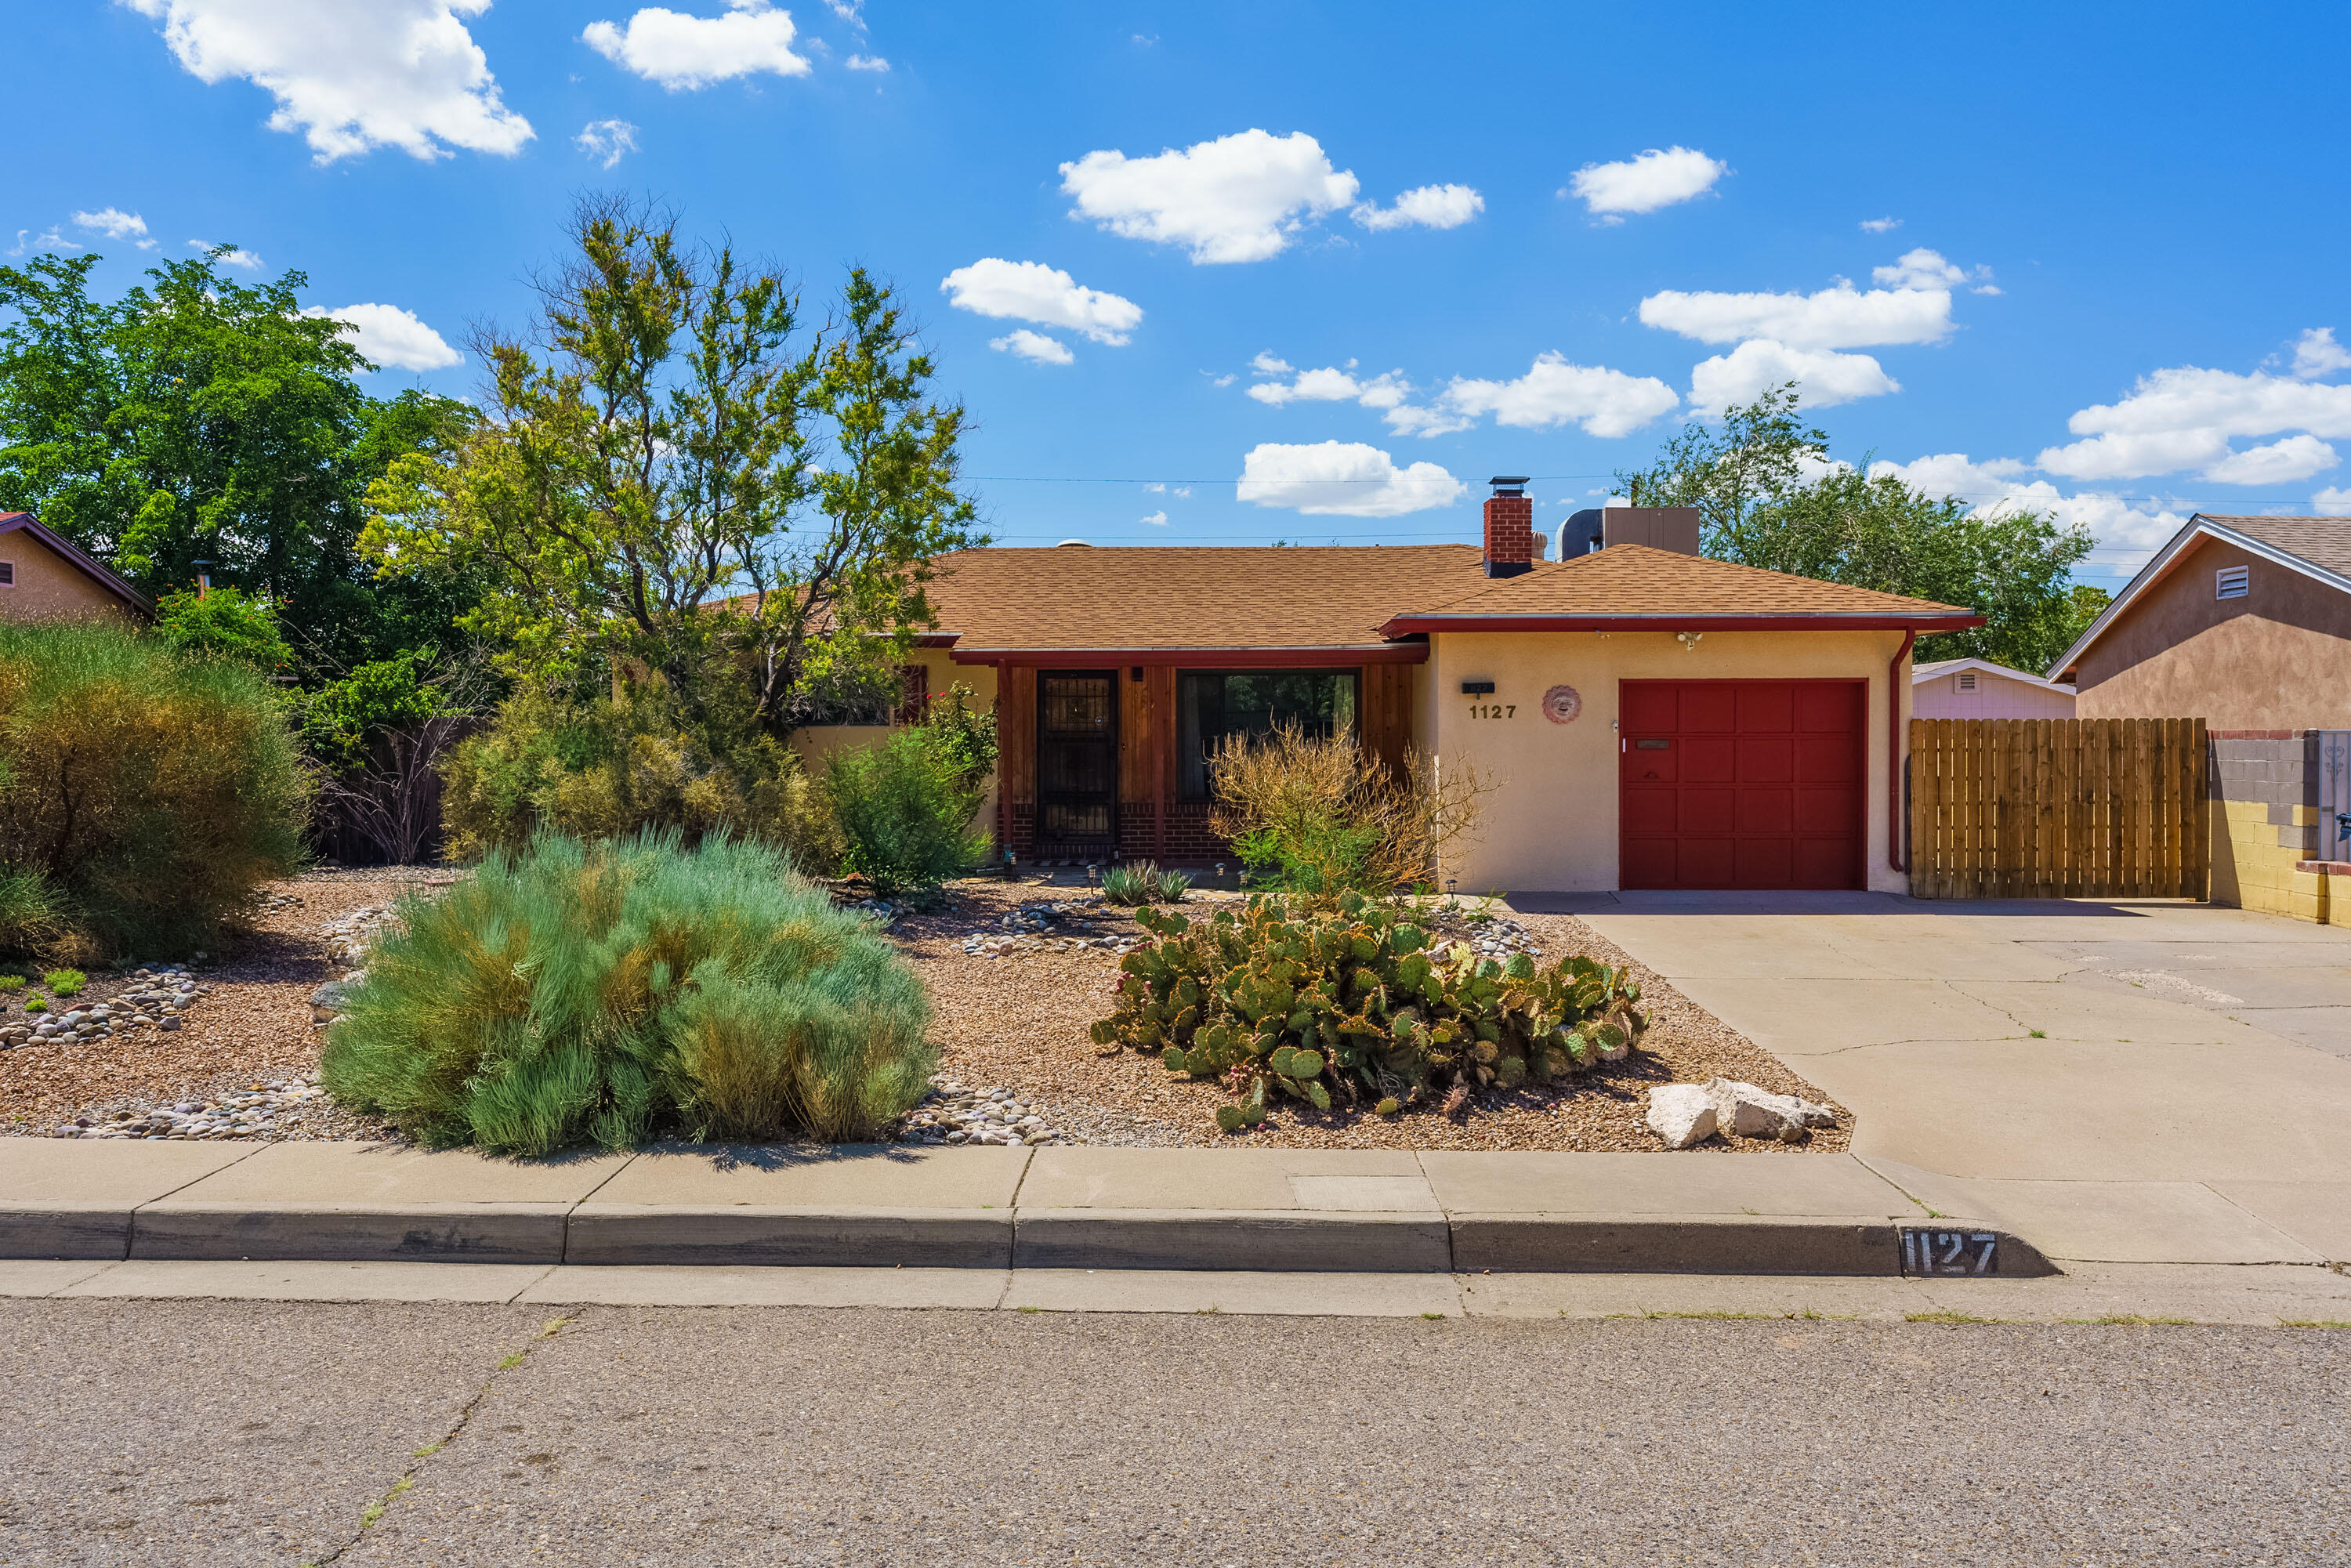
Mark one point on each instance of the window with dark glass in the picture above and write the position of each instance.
(1210, 707)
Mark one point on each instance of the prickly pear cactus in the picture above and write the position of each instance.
(1357, 1001)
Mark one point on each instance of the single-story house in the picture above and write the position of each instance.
(1978, 688)
(44, 577)
(1652, 718)
(2245, 623)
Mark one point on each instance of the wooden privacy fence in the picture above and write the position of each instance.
(2058, 808)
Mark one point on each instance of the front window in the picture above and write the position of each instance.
(1209, 707)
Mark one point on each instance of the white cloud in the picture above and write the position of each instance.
(1267, 364)
(1823, 377)
(2133, 530)
(2334, 498)
(1923, 268)
(351, 74)
(684, 51)
(1156, 488)
(1031, 291)
(2185, 417)
(2316, 353)
(1383, 391)
(849, 11)
(52, 240)
(1842, 317)
(1343, 478)
(244, 258)
(1157, 519)
(866, 63)
(2278, 462)
(391, 337)
(116, 224)
(1643, 184)
(1033, 346)
(1880, 226)
(1599, 401)
(1433, 206)
(608, 141)
(1238, 198)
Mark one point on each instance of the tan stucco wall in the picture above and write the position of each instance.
(48, 587)
(1552, 825)
(2278, 658)
(1995, 697)
(818, 742)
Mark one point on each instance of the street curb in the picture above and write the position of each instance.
(1290, 1240)
(1284, 1240)
(746, 1234)
(349, 1233)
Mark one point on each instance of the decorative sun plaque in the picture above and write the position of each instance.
(1561, 705)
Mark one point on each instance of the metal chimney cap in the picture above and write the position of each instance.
(1508, 479)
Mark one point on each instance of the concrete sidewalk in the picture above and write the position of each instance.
(1338, 1211)
(2148, 1080)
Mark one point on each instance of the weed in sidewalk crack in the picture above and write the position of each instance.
(1949, 1318)
(2316, 1323)
(2131, 1320)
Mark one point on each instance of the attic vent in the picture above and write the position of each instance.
(2232, 582)
(1073, 544)
(1967, 680)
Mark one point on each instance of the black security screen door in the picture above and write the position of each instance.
(1077, 763)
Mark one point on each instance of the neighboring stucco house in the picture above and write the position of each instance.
(2245, 622)
(44, 577)
(1653, 718)
(1978, 688)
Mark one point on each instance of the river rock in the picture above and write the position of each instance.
(1682, 1113)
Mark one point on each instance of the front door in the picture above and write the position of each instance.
(1077, 763)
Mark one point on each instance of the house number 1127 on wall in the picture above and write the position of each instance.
(1492, 710)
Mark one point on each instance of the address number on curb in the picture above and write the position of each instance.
(1926, 1252)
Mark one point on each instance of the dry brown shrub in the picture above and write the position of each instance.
(1321, 816)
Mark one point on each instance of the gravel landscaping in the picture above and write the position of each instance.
(1017, 973)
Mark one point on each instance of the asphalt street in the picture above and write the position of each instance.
(159, 1432)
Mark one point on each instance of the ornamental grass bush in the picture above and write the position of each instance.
(1353, 1001)
(1320, 816)
(145, 794)
(605, 993)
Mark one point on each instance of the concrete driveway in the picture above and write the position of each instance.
(2199, 1057)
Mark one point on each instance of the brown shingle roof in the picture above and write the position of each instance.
(1172, 597)
(2324, 542)
(1168, 598)
(1632, 580)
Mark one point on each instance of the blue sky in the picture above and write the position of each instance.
(2091, 261)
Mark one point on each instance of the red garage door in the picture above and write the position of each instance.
(1741, 783)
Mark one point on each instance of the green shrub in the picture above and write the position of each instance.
(65, 982)
(28, 909)
(37, 1004)
(966, 736)
(573, 993)
(1356, 998)
(224, 622)
(608, 769)
(12, 982)
(148, 793)
(904, 811)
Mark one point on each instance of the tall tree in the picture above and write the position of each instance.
(669, 477)
(200, 418)
(1769, 497)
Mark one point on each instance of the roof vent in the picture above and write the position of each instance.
(1073, 544)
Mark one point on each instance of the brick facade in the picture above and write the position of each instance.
(1509, 532)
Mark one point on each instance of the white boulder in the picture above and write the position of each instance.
(1748, 1112)
(1682, 1113)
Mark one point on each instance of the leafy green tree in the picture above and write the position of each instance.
(226, 623)
(669, 483)
(201, 418)
(1769, 497)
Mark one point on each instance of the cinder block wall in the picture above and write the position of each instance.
(2267, 825)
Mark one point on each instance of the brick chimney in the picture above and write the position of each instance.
(1509, 527)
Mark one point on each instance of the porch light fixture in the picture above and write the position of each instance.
(1690, 640)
